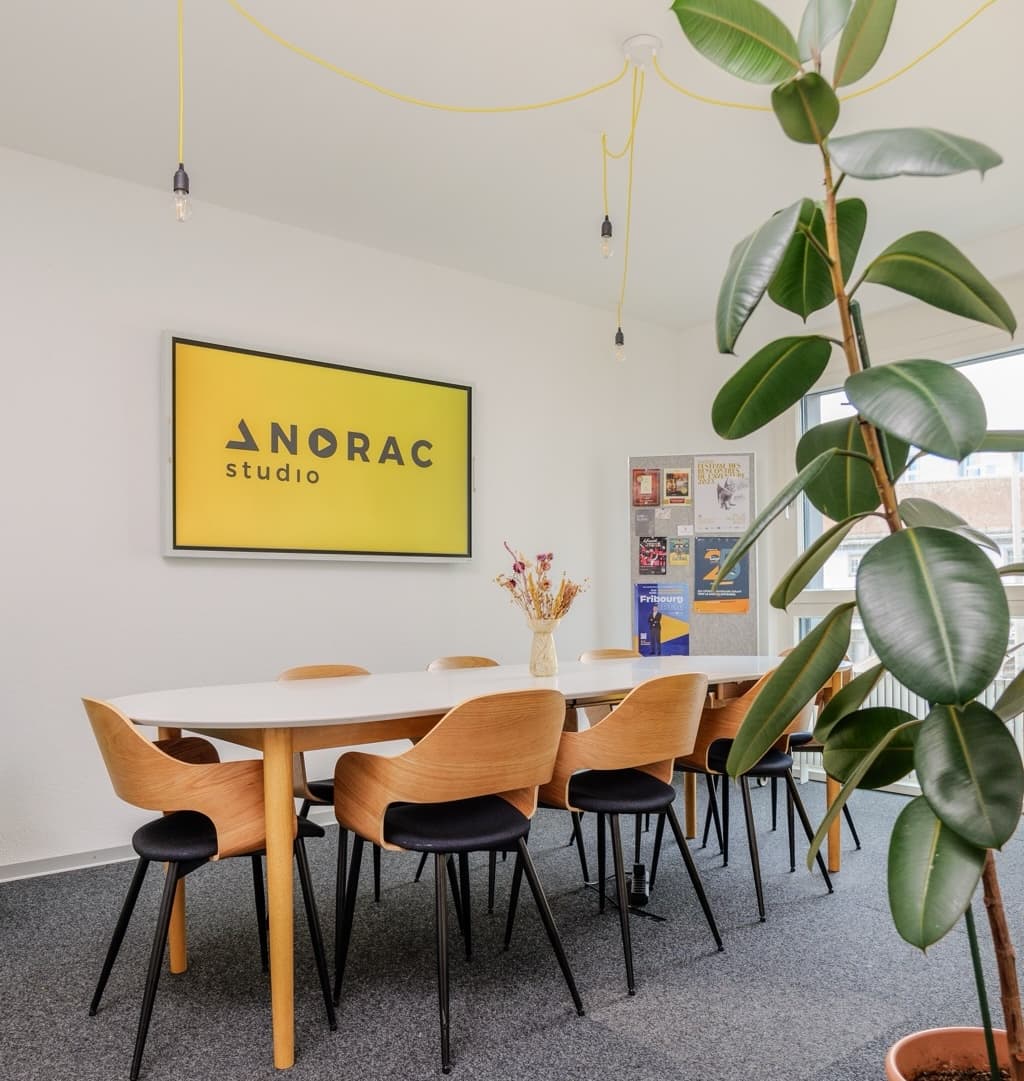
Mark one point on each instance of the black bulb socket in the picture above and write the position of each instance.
(606, 227)
(620, 338)
(181, 179)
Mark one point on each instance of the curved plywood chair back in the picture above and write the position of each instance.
(445, 664)
(143, 774)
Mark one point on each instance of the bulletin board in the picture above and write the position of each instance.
(685, 513)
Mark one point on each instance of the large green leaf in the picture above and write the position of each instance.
(774, 508)
(933, 874)
(932, 405)
(803, 283)
(916, 511)
(970, 772)
(806, 107)
(846, 486)
(1011, 701)
(741, 36)
(935, 612)
(859, 734)
(886, 152)
(772, 380)
(853, 781)
(752, 266)
(799, 677)
(846, 700)
(1003, 441)
(925, 265)
(810, 561)
(822, 20)
(863, 39)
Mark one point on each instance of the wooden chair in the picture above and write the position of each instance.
(445, 664)
(213, 810)
(469, 785)
(623, 765)
(718, 727)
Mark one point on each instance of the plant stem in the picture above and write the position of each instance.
(1006, 963)
(979, 982)
(886, 489)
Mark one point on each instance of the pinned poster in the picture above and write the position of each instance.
(662, 619)
(721, 494)
(732, 595)
(652, 555)
(679, 551)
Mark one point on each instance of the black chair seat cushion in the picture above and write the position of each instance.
(772, 764)
(185, 836)
(322, 790)
(799, 740)
(466, 825)
(176, 838)
(619, 791)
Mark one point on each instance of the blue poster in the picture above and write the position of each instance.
(662, 619)
(732, 596)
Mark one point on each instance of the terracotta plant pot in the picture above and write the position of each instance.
(937, 1047)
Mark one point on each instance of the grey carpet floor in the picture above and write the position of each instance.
(814, 994)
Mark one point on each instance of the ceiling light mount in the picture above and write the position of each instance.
(640, 49)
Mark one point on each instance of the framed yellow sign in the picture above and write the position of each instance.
(279, 456)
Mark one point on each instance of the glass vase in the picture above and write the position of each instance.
(543, 659)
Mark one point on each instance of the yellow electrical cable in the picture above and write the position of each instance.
(606, 153)
(928, 52)
(181, 81)
(638, 96)
(845, 97)
(306, 54)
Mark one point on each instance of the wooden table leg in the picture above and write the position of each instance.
(690, 798)
(279, 809)
(177, 936)
(832, 788)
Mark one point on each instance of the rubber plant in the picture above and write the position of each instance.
(931, 600)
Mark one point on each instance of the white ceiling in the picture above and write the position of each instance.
(512, 197)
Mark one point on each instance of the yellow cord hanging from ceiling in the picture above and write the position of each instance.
(306, 54)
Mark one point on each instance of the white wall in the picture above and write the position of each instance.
(92, 271)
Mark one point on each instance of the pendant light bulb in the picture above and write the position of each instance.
(620, 345)
(182, 198)
(606, 238)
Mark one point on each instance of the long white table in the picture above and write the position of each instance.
(280, 718)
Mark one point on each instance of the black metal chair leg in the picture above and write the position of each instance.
(691, 870)
(156, 959)
(656, 853)
(789, 829)
(775, 803)
(524, 862)
(636, 837)
(376, 873)
(464, 891)
(806, 823)
(316, 935)
(724, 789)
(513, 900)
(453, 879)
(118, 937)
(492, 873)
(712, 782)
(849, 822)
(600, 863)
(342, 940)
(623, 901)
(577, 833)
(441, 920)
(304, 809)
(755, 860)
(420, 866)
(260, 897)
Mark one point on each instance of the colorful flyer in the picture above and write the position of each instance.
(679, 552)
(646, 487)
(721, 494)
(677, 487)
(662, 619)
(653, 555)
(732, 596)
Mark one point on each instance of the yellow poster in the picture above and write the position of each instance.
(281, 455)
